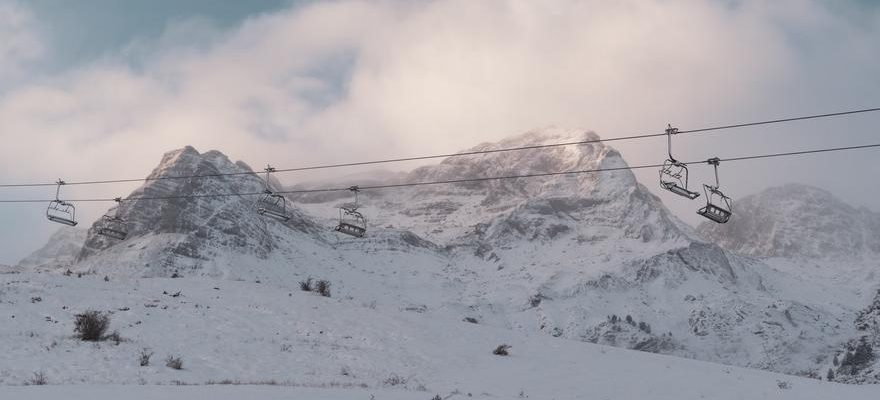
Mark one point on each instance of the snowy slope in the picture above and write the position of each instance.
(324, 348)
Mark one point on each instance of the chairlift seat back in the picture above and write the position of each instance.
(351, 222)
(674, 188)
(715, 213)
(113, 233)
(62, 213)
(273, 206)
(273, 213)
(717, 205)
(351, 230)
(674, 178)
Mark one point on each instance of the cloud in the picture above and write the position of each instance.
(20, 42)
(354, 80)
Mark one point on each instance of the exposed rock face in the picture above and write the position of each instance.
(581, 207)
(201, 228)
(797, 221)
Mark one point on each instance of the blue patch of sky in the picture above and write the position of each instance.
(81, 31)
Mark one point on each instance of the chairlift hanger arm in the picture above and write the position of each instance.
(715, 161)
(58, 189)
(669, 132)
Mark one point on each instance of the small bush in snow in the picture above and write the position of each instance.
(783, 384)
(470, 319)
(174, 362)
(306, 285)
(39, 379)
(144, 357)
(395, 380)
(323, 288)
(501, 350)
(437, 397)
(91, 325)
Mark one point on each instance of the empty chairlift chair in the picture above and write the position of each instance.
(61, 211)
(271, 204)
(113, 226)
(718, 207)
(352, 222)
(674, 174)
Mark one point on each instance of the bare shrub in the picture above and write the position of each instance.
(323, 288)
(144, 357)
(39, 379)
(91, 325)
(174, 362)
(306, 285)
(395, 380)
(783, 385)
(502, 350)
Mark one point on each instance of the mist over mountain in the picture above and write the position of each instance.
(798, 221)
(61, 249)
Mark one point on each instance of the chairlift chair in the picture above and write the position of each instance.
(113, 226)
(351, 221)
(271, 204)
(61, 211)
(674, 174)
(718, 206)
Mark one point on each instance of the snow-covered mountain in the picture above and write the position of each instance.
(59, 252)
(198, 236)
(806, 232)
(588, 207)
(798, 221)
(589, 257)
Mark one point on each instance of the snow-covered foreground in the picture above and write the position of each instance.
(291, 344)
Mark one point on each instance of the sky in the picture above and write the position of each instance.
(98, 89)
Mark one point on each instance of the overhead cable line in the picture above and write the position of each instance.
(460, 154)
(453, 181)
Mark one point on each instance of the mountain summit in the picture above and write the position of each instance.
(197, 222)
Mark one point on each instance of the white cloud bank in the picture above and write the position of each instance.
(353, 80)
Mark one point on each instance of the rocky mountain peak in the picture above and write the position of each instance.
(192, 219)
